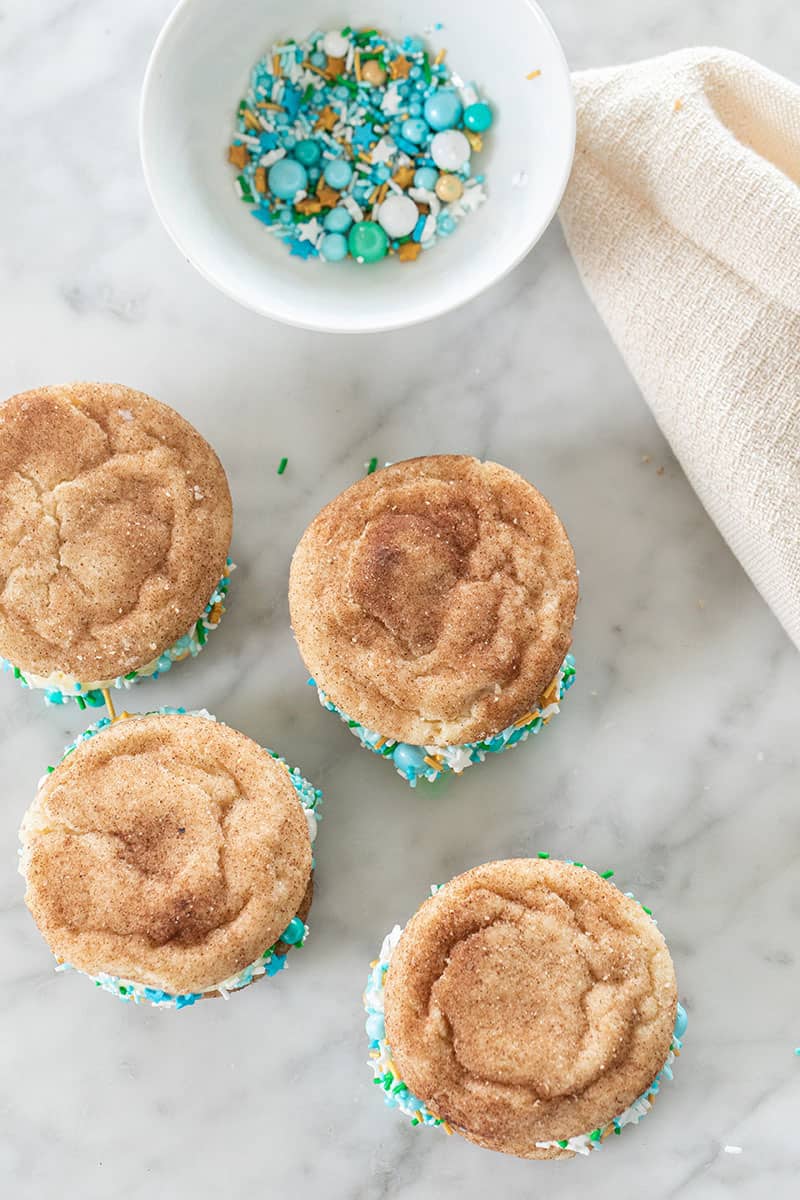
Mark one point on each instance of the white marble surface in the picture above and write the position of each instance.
(676, 761)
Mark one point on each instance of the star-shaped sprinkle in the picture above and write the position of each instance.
(409, 251)
(363, 136)
(399, 67)
(384, 151)
(276, 963)
(309, 231)
(392, 102)
(472, 198)
(299, 249)
(327, 119)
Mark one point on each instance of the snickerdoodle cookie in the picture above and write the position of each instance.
(168, 857)
(115, 525)
(433, 603)
(528, 1005)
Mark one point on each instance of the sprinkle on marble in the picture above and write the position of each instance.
(282, 465)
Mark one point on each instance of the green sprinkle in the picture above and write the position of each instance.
(352, 724)
(617, 1129)
(606, 874)
(649, 911)
(307, 94)
(50, 770)
(594, 1136)
(543, 854)
(373, 463)
(132, 675)
(414, 1121)
(200, 630)
(347, 31)
(426, 68)
(81, 703)
(242, 107)
(282, 465)
(563, 1144)
(576, 864)
(348, 83)
(17, 673)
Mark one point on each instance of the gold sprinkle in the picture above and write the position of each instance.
(404, 177)
(367, 158)
(677, 106)
(409, 251)
(309, 66)
(382, 192)
(534, 74)
(270, 106)
(380, 742)
(399, 67)
(440, 57)
(109, 704)
(327, 119)
(310, 206)
(436, 763)
(276, 65)
(260, 181)
(357, 65)
(475, 140)
(251, 120)
(336, 67)
(239, 156)
(447, 1128)
(530, 716)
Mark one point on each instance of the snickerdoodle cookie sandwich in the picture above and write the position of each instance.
(433, 604)
(115, 525)
(168, 857)
(529, 1006)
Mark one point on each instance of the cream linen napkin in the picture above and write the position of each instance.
(683, 215)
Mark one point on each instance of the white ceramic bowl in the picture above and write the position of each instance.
(199, 71)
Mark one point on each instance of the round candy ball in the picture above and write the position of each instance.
(450, 150)
(449, 188)
(478, 117)
(307, 152)
(338, 173)
(445, 225)
(338, 220)
(286, 178)
(443, 109)
(373, 73)
(335, 44)
(426, 178)
(415, 130)
(318, 59)
(368, 243)
(398, 215)
(333, 247)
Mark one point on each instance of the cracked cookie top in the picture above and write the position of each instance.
(115, 524)
(433, 601)
(169, 850)
(529, 1001)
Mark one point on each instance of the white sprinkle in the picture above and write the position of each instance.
(272, 156)
(733, 1149)
(520, 180)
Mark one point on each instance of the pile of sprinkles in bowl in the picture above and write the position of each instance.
(352, 145)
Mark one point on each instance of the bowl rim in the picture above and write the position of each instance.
(275, 313)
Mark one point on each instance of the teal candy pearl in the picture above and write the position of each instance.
(319, 59)
(443, 110)
(681, 1021)
(409, 759)
(478, 117)
(307, 152)
(338, 220)
(376, 1027)
(368, 242)
(286, 178)
(333, 247)
(293, 933)
(338, 173)
(426, 177)
(164, 663)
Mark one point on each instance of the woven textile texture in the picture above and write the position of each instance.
(683, 216)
